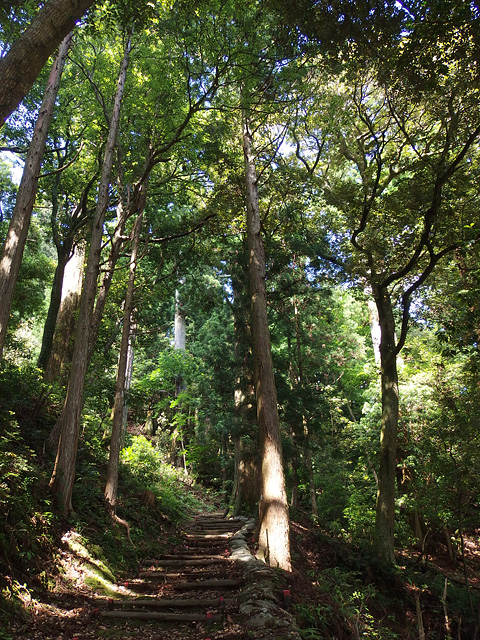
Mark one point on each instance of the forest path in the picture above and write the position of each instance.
(188, 594)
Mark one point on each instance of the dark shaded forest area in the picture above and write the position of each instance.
(240, 273)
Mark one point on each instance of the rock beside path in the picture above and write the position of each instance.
(260, 607)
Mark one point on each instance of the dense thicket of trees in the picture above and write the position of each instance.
(331, 153)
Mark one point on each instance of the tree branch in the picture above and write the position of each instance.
(182, 234)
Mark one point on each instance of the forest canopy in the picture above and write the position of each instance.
(243, 237)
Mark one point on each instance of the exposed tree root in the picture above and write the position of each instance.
(118, 520)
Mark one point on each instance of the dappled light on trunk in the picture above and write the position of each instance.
(273, 510)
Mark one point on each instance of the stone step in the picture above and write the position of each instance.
(217, 547)
(156, 577)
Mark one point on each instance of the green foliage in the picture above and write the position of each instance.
(358, 154)
(347, 608)
(28, 304)
(8, 192)
(171, 364)
(25, 530)
(144, 467)
(143, 460)
(204, 462)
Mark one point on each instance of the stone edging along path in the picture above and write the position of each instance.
(262, 615)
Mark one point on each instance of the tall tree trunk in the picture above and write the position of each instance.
(128, 379)
(245, 490)
(69, 421)
(375, 331)
(295, 431)
(54, 306)
(311, 474)
(66, 251)
(180, 344)
(385, 512)
(117, 243)
(61, 352)
(180, 332)
(236, 497)
(295, 478)
(18, 230)
(274, 525)
(180, 340)
(299, 380)
(118, 407)
(26, 57)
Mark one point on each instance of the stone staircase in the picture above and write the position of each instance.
(193, 591)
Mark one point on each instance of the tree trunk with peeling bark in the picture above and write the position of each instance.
(63, 475)
(29, 53)
(274, 525)
(16, 239)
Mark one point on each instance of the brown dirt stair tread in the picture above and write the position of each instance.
(196, 562)
(210, 584)
(214, 525)
(180, 556)
(160, 603)
(154, 576)
(166, 617)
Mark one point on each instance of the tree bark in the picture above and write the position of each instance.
(111, 486)
(63, 475)
(180, 326)
(375, 331)
(61, 352)
(306, 430)
(117, 243)
(295, 479)
(385, 511)
(128, 379)
(28, 54)
(311, 474)
(245, 490)
(180, 335)
(53, 308)
(65, 243)
(274, 526)
(18, 230)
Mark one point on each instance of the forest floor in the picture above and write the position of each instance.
(337, 592)
(341, 592)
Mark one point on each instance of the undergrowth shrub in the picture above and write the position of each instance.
(25, 504)
(348, 609)
(143, 468)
